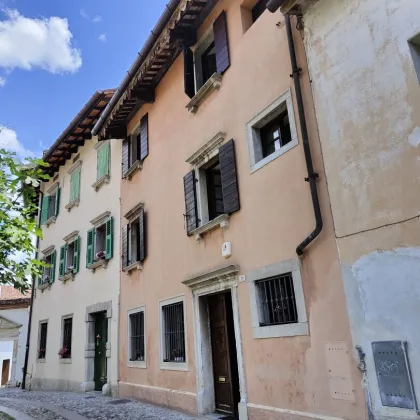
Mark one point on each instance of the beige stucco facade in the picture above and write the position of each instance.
(367, 100)
(89, 291)
(291, 376)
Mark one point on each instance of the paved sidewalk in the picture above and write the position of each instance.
(41, 405)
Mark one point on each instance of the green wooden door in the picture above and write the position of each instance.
(101, 337)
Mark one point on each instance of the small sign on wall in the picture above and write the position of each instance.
(339, 374)
(394, 375)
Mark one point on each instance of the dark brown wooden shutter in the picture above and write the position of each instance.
(190, 192)
(144, 137)
(189, 72)
(221, 43)
(142, 235)
(229, 177)
(125, 248)
(125, 155)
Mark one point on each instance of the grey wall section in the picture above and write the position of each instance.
(367, 99)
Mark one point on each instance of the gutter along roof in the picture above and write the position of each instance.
(153, 61)
(78, 131)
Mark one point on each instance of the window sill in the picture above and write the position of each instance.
(66, 277)
(137, 364)
(50, 221)
(286, 330)
(136, 166)
(100, 263)
(214, 83)
(102, 180)
(73, 203)
(220, 221)
(44, 286)
(261, 163)
(135, 266)
(183, 367)
(65, 361)
(40, 360)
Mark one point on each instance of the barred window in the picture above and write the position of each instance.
(43, 340)
(174, 333)
(67, 335)
(276, 300)
(137, 348)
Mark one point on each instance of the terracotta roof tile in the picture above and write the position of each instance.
(10, 293)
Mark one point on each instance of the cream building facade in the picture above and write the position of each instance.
(74, 340)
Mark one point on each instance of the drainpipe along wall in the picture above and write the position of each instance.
(28, 338)
(312, 175)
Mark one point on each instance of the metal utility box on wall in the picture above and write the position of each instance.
(394, 375)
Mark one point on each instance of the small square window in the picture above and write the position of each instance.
(65, 351)
(272, 132)
(42, 348)
(276, 300)
(258, 9)
(414, 44)
(137, 341)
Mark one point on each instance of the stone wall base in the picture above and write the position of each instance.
(270, 413)
(50, 384)
(178, 400)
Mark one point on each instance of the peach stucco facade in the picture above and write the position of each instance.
(293, 376)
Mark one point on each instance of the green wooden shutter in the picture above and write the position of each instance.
(76, 259)
(57, 201)
(45, 209)
(90, 247)
(103, 161)
(109, 240)
(52, 271)
(62, 266)
(75, 185)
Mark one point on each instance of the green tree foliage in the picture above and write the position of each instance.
(18, 227)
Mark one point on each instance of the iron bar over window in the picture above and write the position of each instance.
(276, 299)
(68, 326)
(43, 341)
(174, 334)
(137, 336)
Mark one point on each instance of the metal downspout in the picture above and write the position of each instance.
(28, 337)
(312, 175)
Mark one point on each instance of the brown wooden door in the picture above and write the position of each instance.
(225, 384)
(5, 372)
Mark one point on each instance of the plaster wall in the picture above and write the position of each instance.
(282, 375)
(367, 99)
(19, 316)
(88, 288)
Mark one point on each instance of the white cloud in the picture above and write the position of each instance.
(2, 81)
(102, 37)
(95, 19)
(10, 142)
(45, 43)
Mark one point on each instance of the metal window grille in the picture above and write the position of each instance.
(137, 336)
(68, 326)
(43, 341)
(276, 299)
(174, 333)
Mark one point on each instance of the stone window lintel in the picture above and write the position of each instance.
(73, 167)
(134, 212)
(206, 150)
(101, 219)
(71, 237)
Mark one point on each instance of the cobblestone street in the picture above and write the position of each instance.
(73, 406)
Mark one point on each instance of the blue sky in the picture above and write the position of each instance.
(54, 54)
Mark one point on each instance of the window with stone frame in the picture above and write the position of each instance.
(42, 344)
(137, 336)
(134, 238)
(65, 351)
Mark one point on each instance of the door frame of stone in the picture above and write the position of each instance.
(91, 311)
(222, 279)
